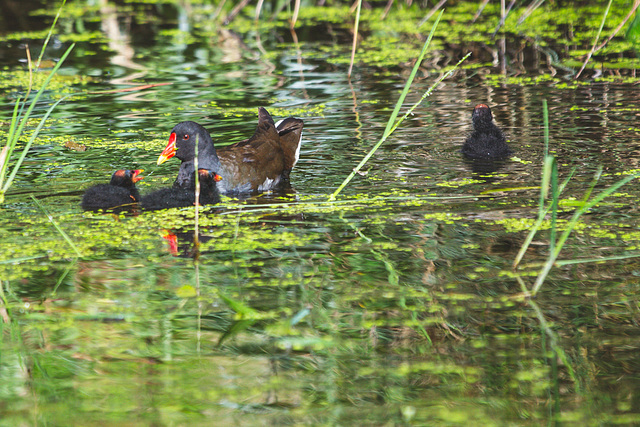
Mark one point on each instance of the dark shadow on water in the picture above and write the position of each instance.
(483, 168)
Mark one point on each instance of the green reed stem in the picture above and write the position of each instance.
(355, 39)
(553, 338)
(26, 148)
(391, 123)
(595, 41)
(574, 221)
(15, 130)
(545, 119)
(196, 228)
(549, 170)
(555, 196)
(57, 227)
(46, 41)
(20, 118)
(542, 213)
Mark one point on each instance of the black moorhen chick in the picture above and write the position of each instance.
(259, 163)
(179, 197)
(487, 140)
(120, 192)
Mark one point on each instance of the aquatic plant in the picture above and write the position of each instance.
(392, 124)
(20, 117)
(550, 192)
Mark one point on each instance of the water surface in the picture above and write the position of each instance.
(396, 304)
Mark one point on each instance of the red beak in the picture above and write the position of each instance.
(135, 178)
(169, 151)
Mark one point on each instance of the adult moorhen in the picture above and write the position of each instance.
(487, 140)
(179, 197)
(259, 163)
(121, 192)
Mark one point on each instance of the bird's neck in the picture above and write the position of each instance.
(208, 159)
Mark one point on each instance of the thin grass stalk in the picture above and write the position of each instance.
(57, 227)
(11, 143)
(15, 133)
(62, 277)
(21, 259)
(414, 71)
(529, 10)
(504, 13)
(635, 6)
(593, 184)
(394, 114)
(555, 196)
(571, 225)
(590, 260)
(547, 168)
(196, 228)
(553, 338)
(355, 39)
(433, 10)
(30, 68)
(480, 9)
(427, 93)
(199, 300)
(542, 213)
(46, 41)
(296, 11)
(545, 119)
(25, 150)
(595, 41)
(258, 9)
(44, 47)
(4, 311)
(393, 128)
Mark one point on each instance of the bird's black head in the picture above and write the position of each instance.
(126, 178)
(481, 116)
(182, 142)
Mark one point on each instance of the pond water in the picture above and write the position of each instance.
(397, 303)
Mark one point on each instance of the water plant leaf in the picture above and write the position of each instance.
(235, 328)
(237, 306)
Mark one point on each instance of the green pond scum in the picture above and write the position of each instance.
(398, 303)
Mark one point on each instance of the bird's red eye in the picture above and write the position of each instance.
(186, 137)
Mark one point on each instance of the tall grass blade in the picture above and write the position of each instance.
(23, 119)
(571, 225)
(391, 123)
(355, 39)
(548, 166)
(433, 10)
(46, 41)
(296, 11)
(196, 225)
(10, 146)
(545, 119)
(563, 262)
(536, 226)
(414, 71)
(555, 196)
(553, 338)
(11, 139)
(57, 227)
(595, 41)
(26, 148)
